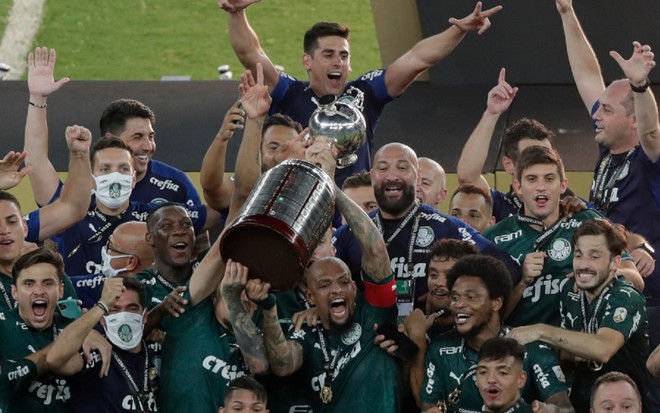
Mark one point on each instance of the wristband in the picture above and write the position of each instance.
(44, 106)
(267, 303)
(100, 304)
(641, 89)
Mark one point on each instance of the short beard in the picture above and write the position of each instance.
(343, 327)
(395, 207)
(478, 328)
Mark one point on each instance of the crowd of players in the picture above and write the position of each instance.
(530, 300)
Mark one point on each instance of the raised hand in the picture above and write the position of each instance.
(639, 65)
(501, 96)
(254, 95)
(113, 288)
(41, 69)
(10, 176)
(234, 281)
(234, 119)
(78, 139)
(564, 6)
(233, 6)
(477, 21)
(532, 267)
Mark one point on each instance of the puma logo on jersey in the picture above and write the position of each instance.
(455, 377)
(570, 317)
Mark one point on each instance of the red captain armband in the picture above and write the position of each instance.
(380, 295)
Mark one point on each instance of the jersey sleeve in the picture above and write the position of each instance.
(546, 373)
(16, 375)
(624, 311)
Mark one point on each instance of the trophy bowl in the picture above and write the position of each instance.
(281, 223)
(342, 121)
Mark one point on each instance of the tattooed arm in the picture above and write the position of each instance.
(375, 260)
(247, 334)
(285, 356)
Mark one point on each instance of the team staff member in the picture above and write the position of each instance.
(327, 61)
(129, 382)
(48, 220)
(409, 228)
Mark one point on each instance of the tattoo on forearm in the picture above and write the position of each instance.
(280, 354)
(560, 340)
(368, 236)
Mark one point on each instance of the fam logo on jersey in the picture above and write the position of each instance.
(425, 237)
(353, 335)
(620, 315)
(560, 249)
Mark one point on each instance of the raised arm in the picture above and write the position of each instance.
(285, 356)
(73, 203)
(427, 52)
(245, 42)
(637, 69)
(64, 357)
(583, 61)
(41, 83)
(207, 276)
(375, 259)
(475, 151)
(216, 185)
(248, 336)
(256, 102)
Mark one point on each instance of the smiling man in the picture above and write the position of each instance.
(479, 289)
(604, 324)
(327, 61)
(539, 238)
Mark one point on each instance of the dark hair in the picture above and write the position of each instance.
(246, 383)
(152, 215)
(613, 377)
(106, 142)
(539, 155)
(498, 348)
(615, 234)
(323, 29)
(357, 180)
(41, 255)
(492, 272)
(474, 189)
(114, 117)
(280, 120)
(524, 128)
(132, 284)
(6, 196)
(449, 248)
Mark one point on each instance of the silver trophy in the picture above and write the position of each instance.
(341, 120)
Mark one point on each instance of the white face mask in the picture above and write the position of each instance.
(107, 269)
(124, 329)
(114, 189)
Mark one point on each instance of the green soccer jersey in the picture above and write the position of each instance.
(366, 378)
(157, 287)
(48, 393)
(7, 301)
(14, 377)
(200, 357)
(450, 362)
(621, 308)
(540, 301)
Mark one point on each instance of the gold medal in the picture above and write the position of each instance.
(326, 394)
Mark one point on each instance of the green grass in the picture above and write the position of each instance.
(5, 6)
(145, 39)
